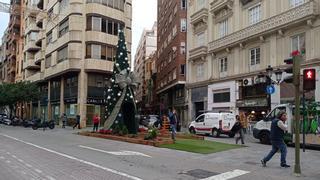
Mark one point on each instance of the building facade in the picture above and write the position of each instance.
(171, 57)
(231, 42)
(69, 51)
(146, 47)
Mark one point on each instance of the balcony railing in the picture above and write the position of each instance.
(198, 52)
(200, 16)
(301, 13)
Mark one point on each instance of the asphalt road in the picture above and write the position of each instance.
(60, 154)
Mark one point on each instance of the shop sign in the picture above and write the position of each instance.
(95, 101)
(252, 103)
(71, 101)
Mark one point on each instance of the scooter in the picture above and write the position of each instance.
(38, 124)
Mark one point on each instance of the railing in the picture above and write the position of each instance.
(295, 15)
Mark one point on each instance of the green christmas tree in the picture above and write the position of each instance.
(120, 101)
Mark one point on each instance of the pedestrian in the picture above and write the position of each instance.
(173, 124)
(77, 122)
(278, 129)
(96, 121)
(64, 120)
(178, 124)
(237, 129)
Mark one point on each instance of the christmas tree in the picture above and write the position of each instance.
(120, 102)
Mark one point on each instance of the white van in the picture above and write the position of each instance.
(214, 124)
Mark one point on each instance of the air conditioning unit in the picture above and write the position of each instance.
(247, 82)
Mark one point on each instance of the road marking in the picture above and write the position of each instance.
(50, 178)
(75, 159)
(228, 175)
(20, 160)
(7, 161)
(117, 153)
(1, 157)
(38, 171)
(14, 156)
(28, 165)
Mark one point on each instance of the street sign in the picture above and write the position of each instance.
(270, 89)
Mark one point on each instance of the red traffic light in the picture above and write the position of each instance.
(309, 79)
(309, 74)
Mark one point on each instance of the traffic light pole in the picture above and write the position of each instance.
(296, 82)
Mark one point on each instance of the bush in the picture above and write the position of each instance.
(152, 134)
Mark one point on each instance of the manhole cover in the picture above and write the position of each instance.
(252, 163)
(200, 173)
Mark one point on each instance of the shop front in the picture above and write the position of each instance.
(199, 98)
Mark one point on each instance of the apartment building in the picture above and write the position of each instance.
(146, 47)
(69, 51)
(231, 42)
(171, 56)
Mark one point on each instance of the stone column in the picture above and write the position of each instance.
(317, 91)
(62, 110)
(82, 97)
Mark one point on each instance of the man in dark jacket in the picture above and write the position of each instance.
(173, 124)
(77, 122)
(237, 130)
(278, 129)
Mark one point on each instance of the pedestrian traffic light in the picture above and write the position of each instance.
(288, 78)
(309, 79)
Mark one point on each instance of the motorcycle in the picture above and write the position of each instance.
(38, 124)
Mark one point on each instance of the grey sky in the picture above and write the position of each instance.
(4, 19)
(144, 15)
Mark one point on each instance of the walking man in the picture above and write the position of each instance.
(96, 121)
(64, 120)
(77, 122)
(237, 129)
(173, 123)
(278, 129)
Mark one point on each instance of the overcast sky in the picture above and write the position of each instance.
(144, 15)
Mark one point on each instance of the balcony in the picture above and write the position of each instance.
(14, 22)
(31, 46)
(40, 4)
(198, 53)
(30, 65)
(96, 65)
(39, 57)
(200, 16)
(31, 11)
(69, 65)
(31, 27)
(39, 38)
(218, 5)
(35, 77)
(39, 19)
(306, 11)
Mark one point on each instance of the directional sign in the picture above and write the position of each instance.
(270, 89)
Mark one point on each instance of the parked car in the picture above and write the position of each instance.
(4, 119)
(214, 124)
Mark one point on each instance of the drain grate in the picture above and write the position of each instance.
(200, 173)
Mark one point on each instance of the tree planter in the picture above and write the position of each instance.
(139, 139)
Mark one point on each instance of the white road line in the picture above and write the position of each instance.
(75, 159)
(7, 161)
(14, 156)
(1, 157)
(117, 153)
(28, 165)
(20, 160)
(50, 178)
(38, 171)
(228, 175)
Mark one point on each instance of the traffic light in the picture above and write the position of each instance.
(288, 78)
(309, 79)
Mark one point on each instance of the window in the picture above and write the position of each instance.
(48, 61)
(64, 27)
(62, 54)
(298, 43)
(223, 28)
(100, 51)
(32, 36)
(200, 70)
(221, 97)
(182, 48)
(96, 51)
(200, 119)
(174, 74)
(182, 69)
(254, 56)
(295, 3)
(183, 4)
(223, 64)
(50, 13)
(254, 14)
(63, 4)
(96, 23)
(200, 4)
(49, 37)
(200, 40)
(183, 25)
(174, 31)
